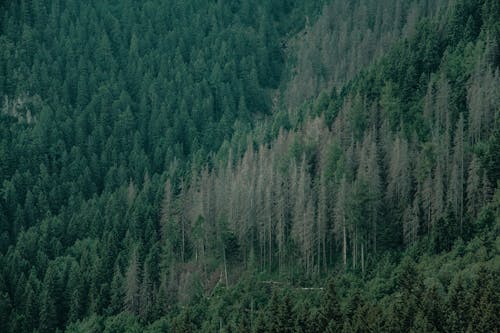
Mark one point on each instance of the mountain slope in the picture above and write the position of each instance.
(169, 166)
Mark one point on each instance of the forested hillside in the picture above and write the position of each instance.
(249, 166)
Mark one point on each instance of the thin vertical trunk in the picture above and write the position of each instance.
(183, 239)
(324, 253)
(261, 255)
(344, 245)
(225, 264)
(318, 251)
(362, 259)
(354, 250)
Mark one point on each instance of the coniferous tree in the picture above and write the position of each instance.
(48, 310)
(332, 316)
(117, 292)
(132, 284)
(457, 315)
(151, 151)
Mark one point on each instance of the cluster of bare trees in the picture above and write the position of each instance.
(348, 36)
(321, 193)
(338, 192)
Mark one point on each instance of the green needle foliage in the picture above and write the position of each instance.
(249, 166)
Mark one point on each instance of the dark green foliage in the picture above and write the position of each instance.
(154, 178)
(432, 312)
(331, 314)
(5, 308)
(458, 307)
(485, 301)
(280, 316)
(491, 157)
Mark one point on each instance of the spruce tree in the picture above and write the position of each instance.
(331, 313)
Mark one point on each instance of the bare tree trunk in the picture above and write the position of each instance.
(354, 250)
(225, 264)
(344, 245)
(324, 253)
(362, 259)
(183, 239)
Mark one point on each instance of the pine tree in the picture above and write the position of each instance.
(304, 319)
(147, 294)
(412, 221)
(132, 284)
(437, 203)
(5, 307)
(332, 317)
(432, 309)
(456, 180)
(273, 314)
(117, 292)
(261, 324)
(484, 302)
(322, 222)
(31, 305)
(399, 185)
(474, 197)
(340, 214)
(286, 315)
(457, 315)
(48, 315)
(303, 215)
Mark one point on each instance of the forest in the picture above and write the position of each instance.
(249, 166)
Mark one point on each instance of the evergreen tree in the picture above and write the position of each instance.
(484, 302)
(48, 315)
(457, 315)
(117, 292)
(332, 316)
(132, 284)
(157, 156)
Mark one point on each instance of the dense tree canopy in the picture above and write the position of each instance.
(249, 166)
